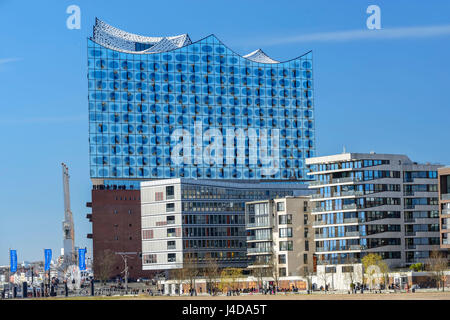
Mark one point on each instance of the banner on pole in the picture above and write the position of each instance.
(13, 260)
(48, 259)
(82, 258)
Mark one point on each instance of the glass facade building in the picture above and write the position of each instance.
(154, 101)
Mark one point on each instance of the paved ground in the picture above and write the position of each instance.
(316, 296)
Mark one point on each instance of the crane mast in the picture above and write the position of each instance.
(68, 227)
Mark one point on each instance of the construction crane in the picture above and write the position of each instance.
(68, 228)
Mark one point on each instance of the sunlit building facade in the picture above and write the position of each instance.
(165, 107)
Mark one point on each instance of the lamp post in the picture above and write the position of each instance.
(125, 256)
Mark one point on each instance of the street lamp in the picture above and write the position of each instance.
(125, 256)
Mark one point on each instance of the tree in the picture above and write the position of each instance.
(416, 267)
(211, 273)
(260, 269)
(228, 278)
(273, 269)
(437, 264)
(307, 273)
(374, 266)
(103, 265)
(191, 271)
(180, 276)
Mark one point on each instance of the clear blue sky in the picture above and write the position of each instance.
(387, 92)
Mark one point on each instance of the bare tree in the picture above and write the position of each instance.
(273, 269)
(103, 265)
(260, 270)
(307, 273)
(179, 275)
(437, 264)
(211, 273)
(191, 271)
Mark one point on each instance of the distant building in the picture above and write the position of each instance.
(280, 240)
(373, 203)
(444, 206)
(197, 220)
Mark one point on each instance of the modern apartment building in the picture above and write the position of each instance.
(280, 240)
(168, 107)
(196, 220)
(374, 203)
(444, 206)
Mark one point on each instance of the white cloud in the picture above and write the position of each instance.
(363, 34)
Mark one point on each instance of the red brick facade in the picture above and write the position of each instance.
(116, 225)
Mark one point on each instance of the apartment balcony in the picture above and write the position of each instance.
(445, 212)
(445, 227)
(257, 225)
(334, 181)
(445, 196)
(258, 251)
(351, 220)
(89, 236)
(258, 238)
(344, 207)
(446, 241)
(319, 223)
(346, 234)
(89, 204)
(338, 194)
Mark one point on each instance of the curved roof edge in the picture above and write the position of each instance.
(115, 38)
(183, 40)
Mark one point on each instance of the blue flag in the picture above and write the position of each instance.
(48, 259)
(13, 260)
(82, 259)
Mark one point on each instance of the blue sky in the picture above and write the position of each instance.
(384, 92)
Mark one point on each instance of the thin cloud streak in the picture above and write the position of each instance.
(43, 120)
(351, 35)
(9, 60)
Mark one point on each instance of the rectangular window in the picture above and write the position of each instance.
(285, 219)
(280, 206)
(171, 245)
(282, 259)
(170, 207)
(170, 192)
(286, 245)
(305, 258)
(330, 270)
(158, 196)
(306, 245)
(147, 234)
(285, 232)
(171, 257)
(149, 258)
(347, 269)
(170, 219)
(171, 232)
(282, 272)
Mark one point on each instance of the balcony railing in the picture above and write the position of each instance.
(258, 250)
(344, 207)
(445, 196)
(346, 234)
(333, 181)
(349, 206)
(259, 238)
(445, 241)
(351, 220)
(445, 211)
(258, 225)
(319, 223)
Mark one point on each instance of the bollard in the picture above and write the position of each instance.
(24, 290)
